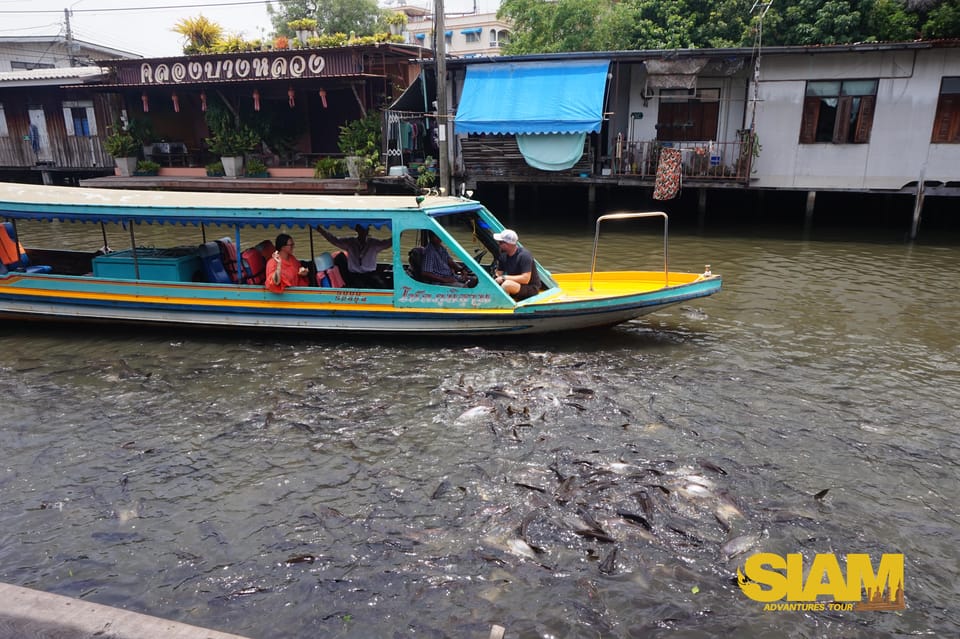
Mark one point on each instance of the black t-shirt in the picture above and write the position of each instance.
(520, 262)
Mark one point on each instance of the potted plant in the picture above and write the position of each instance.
(304, 28)
(230, 145)
(228, 138)
(215, 169)
(427, 173)
(147, 167)
(397, 21)
(124, 148)
(256, 168)
(359, 141)
(326, 168)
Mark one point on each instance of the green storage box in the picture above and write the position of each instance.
(165, 265)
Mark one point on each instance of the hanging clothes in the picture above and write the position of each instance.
(669, 175)
(406, 135)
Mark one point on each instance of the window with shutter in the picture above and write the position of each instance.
(864, 119)
(808, 127)
(838, 111)
(841, 126)
(946, 123)
(688, 115)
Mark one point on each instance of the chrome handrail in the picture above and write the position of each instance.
(628, 216)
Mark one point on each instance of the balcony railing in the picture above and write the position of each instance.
(499, 156)
(730, 161)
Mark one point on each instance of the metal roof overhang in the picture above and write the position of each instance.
(533, 97)
(35, 202)
(412, 98)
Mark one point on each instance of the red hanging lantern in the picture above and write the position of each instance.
(176, 103)
(203, 101)
(323, 97)
(256, 100)
(291, 97)
(146, 102)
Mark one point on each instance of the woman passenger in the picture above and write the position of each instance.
(284, 269)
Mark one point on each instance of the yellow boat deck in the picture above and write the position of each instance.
(577, 287)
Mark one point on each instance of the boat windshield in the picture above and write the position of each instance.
(473, 230)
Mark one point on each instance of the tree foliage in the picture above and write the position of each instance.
(360, 17)
(547, 26)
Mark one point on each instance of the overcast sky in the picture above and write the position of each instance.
(148, 32)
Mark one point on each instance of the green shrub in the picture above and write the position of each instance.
(326, 168)
(121, 143)
(147, 167)
(256, 168)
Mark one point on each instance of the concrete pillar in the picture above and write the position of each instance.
(47, 178)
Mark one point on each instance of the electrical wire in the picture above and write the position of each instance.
(144, 8)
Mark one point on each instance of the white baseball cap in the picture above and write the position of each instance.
(506, 235)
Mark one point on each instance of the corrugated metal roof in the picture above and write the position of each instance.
(56, 75)
(59, 39)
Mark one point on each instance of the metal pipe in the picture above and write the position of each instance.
(630, 216)
(133, 250)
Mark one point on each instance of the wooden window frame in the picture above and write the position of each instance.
(846, 128)
(69, 122)
(946, 122)
(702, 110)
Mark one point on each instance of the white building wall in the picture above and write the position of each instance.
(49, 52)
(899, 151)
(457, 44)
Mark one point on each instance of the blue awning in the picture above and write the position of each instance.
(473, 30)
(420, 36)
(533, 97)
(448, 33)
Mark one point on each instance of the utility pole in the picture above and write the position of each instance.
(69, 36)
(440, 57)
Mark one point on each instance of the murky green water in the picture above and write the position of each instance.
(292, 487)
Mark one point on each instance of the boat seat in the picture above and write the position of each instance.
(228, 257)
(212, 263)
(253, 267)
(415, 260)
(13, 256)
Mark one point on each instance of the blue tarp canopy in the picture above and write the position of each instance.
(533, 97)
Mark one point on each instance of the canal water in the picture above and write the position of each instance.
(588, 485)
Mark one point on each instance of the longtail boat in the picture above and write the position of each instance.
(219, 283)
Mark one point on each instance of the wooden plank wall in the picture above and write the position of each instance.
(68, 151)
(498, 155)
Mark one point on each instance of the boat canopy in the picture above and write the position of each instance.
(533, 97)
(24, 201)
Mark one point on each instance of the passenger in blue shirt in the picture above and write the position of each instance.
(439, 268)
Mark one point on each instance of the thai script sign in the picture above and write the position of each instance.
(248, 66)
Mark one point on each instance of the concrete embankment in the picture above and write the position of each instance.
(26, 613)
